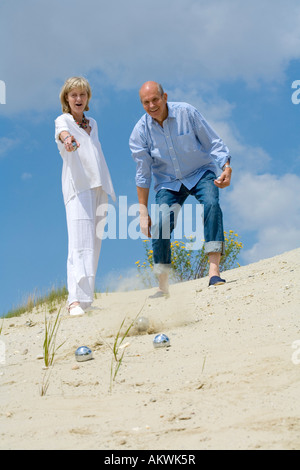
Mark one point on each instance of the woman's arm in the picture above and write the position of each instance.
(67, 139)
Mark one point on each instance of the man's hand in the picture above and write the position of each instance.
(145, 220)
(224, 179)
(145, 224)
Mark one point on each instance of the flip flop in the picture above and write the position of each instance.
(216, 281)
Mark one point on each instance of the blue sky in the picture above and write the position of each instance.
(235, 61)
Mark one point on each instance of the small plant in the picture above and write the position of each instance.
(117, 356)
(187, 263)
(45, 383)
(50, 350)
(119, 348)
(54, 297)
(49, 346)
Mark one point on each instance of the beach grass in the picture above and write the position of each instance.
(49, 346)
(52, 299)
(50, 349)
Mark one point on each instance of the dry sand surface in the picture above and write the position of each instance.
(229, 380)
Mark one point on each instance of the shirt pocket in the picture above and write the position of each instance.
(187, 142)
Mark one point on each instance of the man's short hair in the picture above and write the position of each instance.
(160, 89)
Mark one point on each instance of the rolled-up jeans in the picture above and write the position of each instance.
(207, 193)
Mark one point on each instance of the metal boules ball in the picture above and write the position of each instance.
(83, 354)
(142, 324)
(161, 341)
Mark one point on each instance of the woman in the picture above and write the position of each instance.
(86, 184)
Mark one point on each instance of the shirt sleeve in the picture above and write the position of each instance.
(140, 153)
(209, 139)
(60, 125)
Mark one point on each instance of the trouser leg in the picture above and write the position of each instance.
(84, 245)
(168, 205)
(207, 194)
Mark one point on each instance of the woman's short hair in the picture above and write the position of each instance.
(70, 84)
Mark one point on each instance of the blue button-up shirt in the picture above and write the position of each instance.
(179, 152)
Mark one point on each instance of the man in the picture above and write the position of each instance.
(173, 143)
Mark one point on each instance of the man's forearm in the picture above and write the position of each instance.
(143, 196)
(145, 221)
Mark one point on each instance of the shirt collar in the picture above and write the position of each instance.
(171, 114)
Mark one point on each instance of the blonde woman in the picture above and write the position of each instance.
(86, 184)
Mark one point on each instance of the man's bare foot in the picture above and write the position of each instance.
(163, 283)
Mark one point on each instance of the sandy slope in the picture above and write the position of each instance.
(230, 380)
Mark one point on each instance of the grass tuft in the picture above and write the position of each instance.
(50, 348)
(56, 296)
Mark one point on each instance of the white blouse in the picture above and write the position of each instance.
(85, 168)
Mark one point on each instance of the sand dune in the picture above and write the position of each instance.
(229, 380)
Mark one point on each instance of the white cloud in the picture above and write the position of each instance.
(125, 43)
(269, 206)
(26, 176)
(272, 241)
(190, 45)
(245, 157)
(7, 144)
(263, 199)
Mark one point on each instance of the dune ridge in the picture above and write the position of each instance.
(229, 380)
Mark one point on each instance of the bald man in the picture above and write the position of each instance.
(175, 146)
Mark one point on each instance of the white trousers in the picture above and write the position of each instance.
(86, 213)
